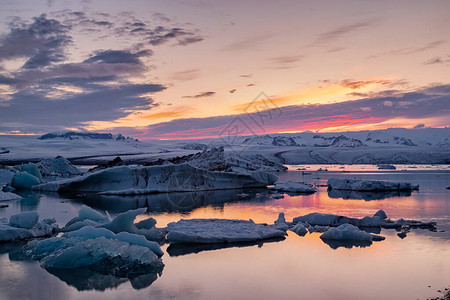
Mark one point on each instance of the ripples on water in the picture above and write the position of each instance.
(297, 267)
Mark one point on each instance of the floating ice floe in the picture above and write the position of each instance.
(126, 180)
(100, 250)
(336, 220)
(368, 185)
(58, 166)
(25, 226)
(293, 187)
(121, 223)
(379, 220)
(6, 196)
(220, 231)
(348, 232)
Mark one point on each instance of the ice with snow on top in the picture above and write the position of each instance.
(100, 250)
(25, 226)
(369, 185)
(219, 231)
(348, 232)
(58, 166)
(170, 178)
(293, 187)
(6, 196)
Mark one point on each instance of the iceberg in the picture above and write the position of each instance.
(293, 187)
(300, 229)
(125, 180)
(206, 231)
(5, 176)
(24, 180)
(88, 217)
(6, 196)
(280, 223)
(33, 170)
(337, 220)
(100, 250)
(25, 226)
(58, 166)
(25, 220)
(368, 185)
(381, 214)
(348, 232)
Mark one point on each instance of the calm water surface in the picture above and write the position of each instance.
(295, 268)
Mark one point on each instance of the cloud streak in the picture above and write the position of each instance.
(426, 103)
(200, 95)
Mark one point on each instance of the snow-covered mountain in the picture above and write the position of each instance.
(353, 139)
(72, 135)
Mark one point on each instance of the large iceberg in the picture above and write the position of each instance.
(58, 166)
(293, 187)
(125, 180)
(206, 231)
(25, 226)
(369, 185)
(100, 250)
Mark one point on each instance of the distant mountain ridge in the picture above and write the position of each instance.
(73, 135)
(356, 139)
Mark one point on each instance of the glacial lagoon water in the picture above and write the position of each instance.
(295, 268)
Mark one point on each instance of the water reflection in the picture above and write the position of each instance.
(30, 200)
(346, 244)
(367, 196)
(184, 249)
(86, 279)
(173, 202)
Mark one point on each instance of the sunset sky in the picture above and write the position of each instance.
(194, 69)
